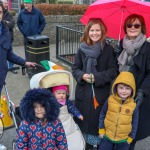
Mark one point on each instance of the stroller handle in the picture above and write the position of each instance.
(23, 68)
(38, 66)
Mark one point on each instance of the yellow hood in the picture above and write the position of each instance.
(126, 78)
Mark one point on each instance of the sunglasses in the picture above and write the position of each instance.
(136, 26)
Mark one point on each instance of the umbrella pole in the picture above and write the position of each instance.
(117, 47)
(120, 26)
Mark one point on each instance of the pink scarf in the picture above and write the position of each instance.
(62, 101)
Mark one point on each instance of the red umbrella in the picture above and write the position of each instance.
(114, 12)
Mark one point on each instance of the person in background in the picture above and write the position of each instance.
(6, 53)
(94, 69)
(135, 58)
(40, 128)
(119, 116)
(30, 20)
(10, 22)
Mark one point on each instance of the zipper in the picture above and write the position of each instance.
(117, 120)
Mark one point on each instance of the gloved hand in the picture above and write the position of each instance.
(139, 97)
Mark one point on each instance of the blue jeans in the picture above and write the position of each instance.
(10, 64)
(108, 145)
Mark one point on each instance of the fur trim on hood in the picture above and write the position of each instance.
(45, 98)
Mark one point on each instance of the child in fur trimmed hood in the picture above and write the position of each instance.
(40, 128)
(119, 115)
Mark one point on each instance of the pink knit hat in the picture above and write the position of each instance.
(60, 87)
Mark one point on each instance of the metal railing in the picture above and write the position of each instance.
(67, 42)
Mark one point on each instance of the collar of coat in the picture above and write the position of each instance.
(32, 11)
(138, 59)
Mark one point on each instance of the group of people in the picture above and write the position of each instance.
(121, 88)
(121, 119)
(112, 93)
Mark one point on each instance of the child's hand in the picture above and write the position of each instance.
(101, 136)
(81, 117)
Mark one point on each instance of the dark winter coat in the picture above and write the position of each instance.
(6, 54)
(8, 17)
(106, 72)
(31, 23)
(44, 134)
(141, 72)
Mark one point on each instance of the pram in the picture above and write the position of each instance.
(48, 79)
(62, 77)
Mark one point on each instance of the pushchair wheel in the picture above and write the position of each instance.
(14, 144)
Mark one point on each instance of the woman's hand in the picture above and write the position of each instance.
(87, 77)
(30, 64)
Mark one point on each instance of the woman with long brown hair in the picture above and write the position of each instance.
(94, 69)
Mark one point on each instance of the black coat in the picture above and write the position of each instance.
(106, 72)
(141, 72)
(8, 17)
(6, 54)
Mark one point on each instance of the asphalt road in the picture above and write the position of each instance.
(17, 86)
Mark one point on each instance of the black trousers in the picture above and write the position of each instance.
(108, 145)
(90, 147)
(132, 145)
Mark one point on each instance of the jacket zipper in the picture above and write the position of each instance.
(117, 121)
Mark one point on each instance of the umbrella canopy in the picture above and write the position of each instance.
(114, 12)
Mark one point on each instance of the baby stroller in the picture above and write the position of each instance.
(55, 78)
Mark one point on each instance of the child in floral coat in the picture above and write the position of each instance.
(40, 128)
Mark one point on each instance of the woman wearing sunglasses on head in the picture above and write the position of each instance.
(135, 57)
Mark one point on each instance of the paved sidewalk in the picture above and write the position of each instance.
(17, 86)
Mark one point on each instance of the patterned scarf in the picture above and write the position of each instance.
(62, 101)
(130, 47)
(92, 52)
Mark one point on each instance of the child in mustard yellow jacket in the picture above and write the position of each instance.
(119, 115)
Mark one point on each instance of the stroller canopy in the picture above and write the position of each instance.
(53, 78)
